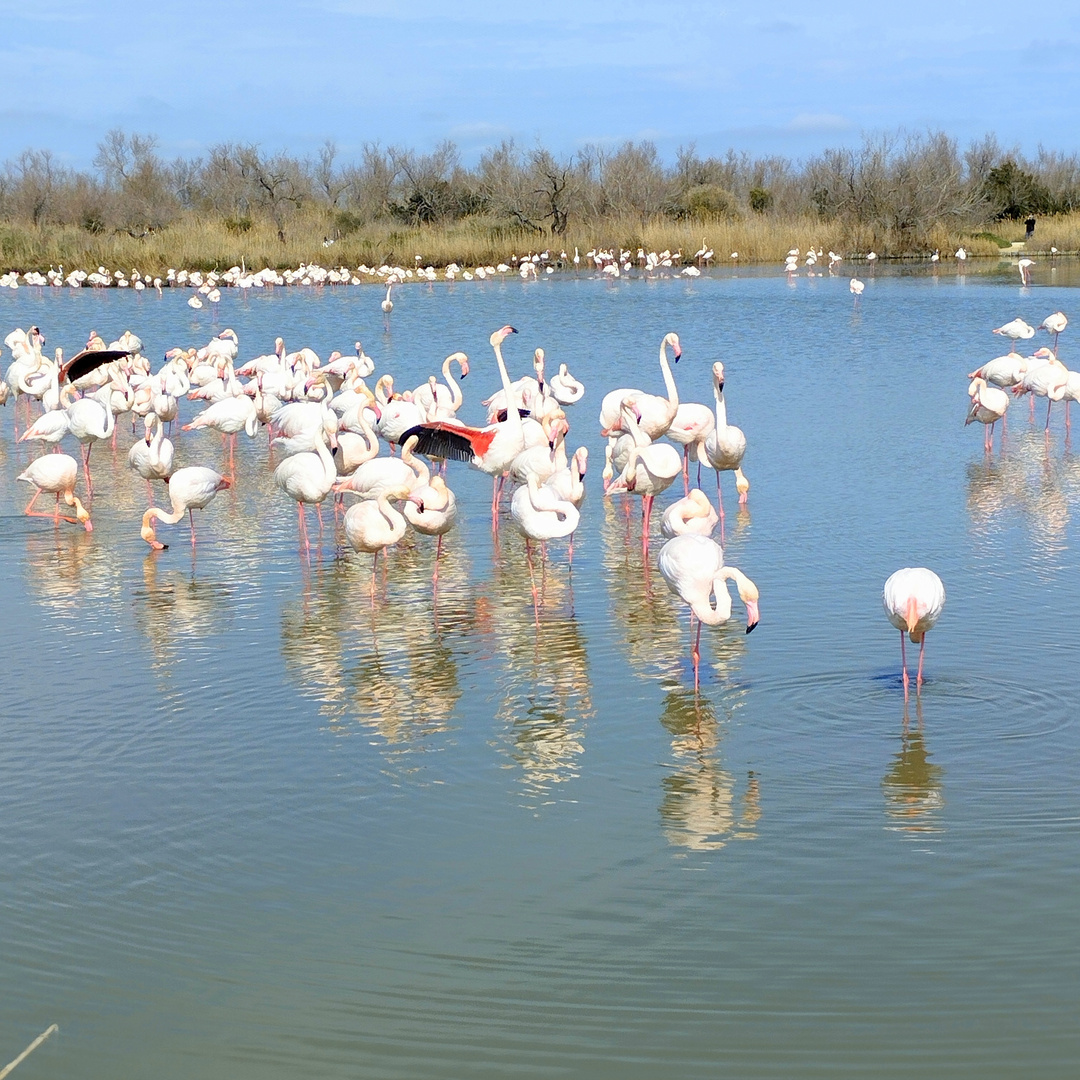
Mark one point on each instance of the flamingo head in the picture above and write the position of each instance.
(581, 456)
(672, 339)
(148, 533)
(718, 375)
(748, 594)
(500, 335)
(83, 515)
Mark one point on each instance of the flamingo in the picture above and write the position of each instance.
(1016, 330)
(725, 447)
(656, 413)
(375, 526)
(693, 566)
(230, 416)
(432, 511)
(491, 449)
(855, 287)
(379, 474)
(650, 467)
(565, 388)
(56, 473)
(91, 420)
(913, 598)
(308, 476)
(387, 305)
(692, 424)
(190, 488)
(988, 405)
(540, 514)
(1024, 266)
(691, 514)
(439, 402)
(152, 458)
(1046, 380)
(1054, 324)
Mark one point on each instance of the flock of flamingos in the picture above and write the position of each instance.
(328, 424)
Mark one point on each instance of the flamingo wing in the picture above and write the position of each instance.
(456, 442)
(86, 361)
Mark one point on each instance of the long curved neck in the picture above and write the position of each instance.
(669, 379)
(162, 515)
(456, 396)
(721, 408)
(393, 517)
(423, 473)
(513, 417)
(714, 616)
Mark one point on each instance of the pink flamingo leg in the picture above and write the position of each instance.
(191, 520)
(532, 579)
(686, 469)
(903, 663)
(374, 563)
(697, 655)
(646, 519)
(720, 503)
(918, 678)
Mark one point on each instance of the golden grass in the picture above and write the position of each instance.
(205, 243)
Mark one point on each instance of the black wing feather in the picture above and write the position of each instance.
(439, 443)
(83, 363)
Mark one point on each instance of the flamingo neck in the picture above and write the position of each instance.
(669, 379)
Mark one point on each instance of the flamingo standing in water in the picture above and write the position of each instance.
(387, 305)
(540, 514)
(693, 423)
(191, 488)
(655, 413)
(693, 566)
(725, 447)
(1054, 324)
(375, 526)
(56, 473)
(491, 449)
(913, 599)
(692, 514)
(988, 405)
(1016, 330)
(308, 476)
(152, 456)
(432, 511)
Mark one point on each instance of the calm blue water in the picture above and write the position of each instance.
(251, 827)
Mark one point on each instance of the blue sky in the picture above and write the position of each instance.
(779, 77)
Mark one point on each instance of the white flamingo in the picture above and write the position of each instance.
(913, 599)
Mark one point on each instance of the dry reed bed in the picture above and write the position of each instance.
(199, 243)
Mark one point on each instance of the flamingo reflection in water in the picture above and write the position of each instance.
(701, 809)
(913, 785)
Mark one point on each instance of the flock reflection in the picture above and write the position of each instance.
(408, 673)
(1026, 485)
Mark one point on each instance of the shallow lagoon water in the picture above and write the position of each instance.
(251, 828)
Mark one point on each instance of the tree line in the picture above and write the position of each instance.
(894, 188)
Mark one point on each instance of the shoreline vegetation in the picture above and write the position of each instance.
(900, 196)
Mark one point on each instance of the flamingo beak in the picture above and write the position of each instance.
(752, 615)
(911, 616)
(678, 353)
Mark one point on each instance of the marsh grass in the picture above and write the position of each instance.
(199, 242)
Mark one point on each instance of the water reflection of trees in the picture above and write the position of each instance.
(912, 786)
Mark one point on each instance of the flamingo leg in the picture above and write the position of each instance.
(697, 655)
(646, 519)
(720, 503)
(374, 563)
(686, 469)
(438, 556)
(1049, 405)
(303, 528)
(191, 520)
(318, 510)
(532, 579)
(918, 678)
(903, 663)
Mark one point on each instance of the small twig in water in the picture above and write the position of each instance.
(28, 1051)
